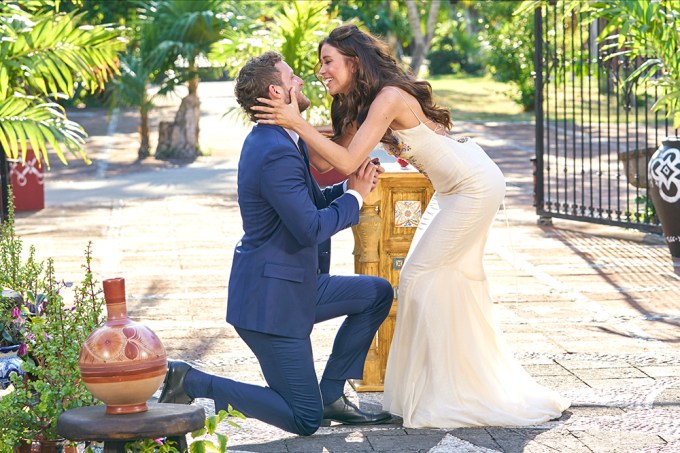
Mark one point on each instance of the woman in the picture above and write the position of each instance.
(448, 365)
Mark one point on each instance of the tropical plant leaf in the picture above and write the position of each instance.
(46, 55)
(35, 123)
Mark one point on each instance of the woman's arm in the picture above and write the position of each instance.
(343, 140)
(345, 159)
(318, 162)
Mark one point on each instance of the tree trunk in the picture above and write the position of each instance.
(143, 152)
(193, 85)
(391, 37)
(179, 139)
(421, 44)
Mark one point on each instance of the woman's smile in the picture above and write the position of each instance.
(335, 70)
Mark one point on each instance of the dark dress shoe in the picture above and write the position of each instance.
(344, 411)
(173, 388)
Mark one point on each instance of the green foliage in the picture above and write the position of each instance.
(510, 41)
(649, 31)
(646, 212)
(453, 49)
(102, 12)
(171, 42)
(22, 276)
(293, 29)
(181, 32)
(43, 56)
(149, 446)
(53, 334)
(205, 445)
(130, 88)
(381, 18)
(202, 439)
(477, 99)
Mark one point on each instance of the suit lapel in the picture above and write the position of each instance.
(317, 196)
(313, 188)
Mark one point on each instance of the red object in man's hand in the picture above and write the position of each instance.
(402, 162)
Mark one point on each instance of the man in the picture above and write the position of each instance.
(279, 286)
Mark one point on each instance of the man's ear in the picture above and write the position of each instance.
(275, 92)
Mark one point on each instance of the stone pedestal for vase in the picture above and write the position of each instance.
(664, 189)
(123, 362)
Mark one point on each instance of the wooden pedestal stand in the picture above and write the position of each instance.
(387, 222)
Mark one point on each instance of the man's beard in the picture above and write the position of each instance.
(303, 102)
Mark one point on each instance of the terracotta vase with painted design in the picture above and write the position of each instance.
(122, 363)
(664, 188)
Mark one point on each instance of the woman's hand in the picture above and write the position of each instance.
(378, 171)
(276, 111)
(364, 179)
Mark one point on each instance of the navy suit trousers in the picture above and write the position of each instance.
(292, 400)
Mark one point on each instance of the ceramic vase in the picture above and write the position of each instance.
(10, 364)
(123, 362)
(664, 188)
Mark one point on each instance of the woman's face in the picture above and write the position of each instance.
(336, 69)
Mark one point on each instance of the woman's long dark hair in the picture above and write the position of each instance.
(377, 69)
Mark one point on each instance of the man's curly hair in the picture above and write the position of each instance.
(254, 78)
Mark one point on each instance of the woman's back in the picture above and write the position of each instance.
(450, 164)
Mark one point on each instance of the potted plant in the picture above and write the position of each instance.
(20, 282)
(10, 336)
(53, 323)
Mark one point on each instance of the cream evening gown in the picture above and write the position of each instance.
(448, 365)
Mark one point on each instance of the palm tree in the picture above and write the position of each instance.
(421, 42)
(131, 87)
(187, 31)
(294, 29)
(45, 55)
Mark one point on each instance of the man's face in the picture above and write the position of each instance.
(288, 80)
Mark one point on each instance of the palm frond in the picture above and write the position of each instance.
(46, 55)
(184, 28)
(27, 120)
(49, 55)
(129, 88)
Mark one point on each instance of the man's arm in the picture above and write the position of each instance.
(284, 186)
(332, 192)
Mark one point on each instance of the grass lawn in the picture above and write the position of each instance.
(479, 99)
(482, 99)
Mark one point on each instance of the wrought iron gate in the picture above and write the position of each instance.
(594, 133)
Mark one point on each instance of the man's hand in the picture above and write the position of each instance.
(364, 179)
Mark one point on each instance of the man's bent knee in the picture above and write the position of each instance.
(309, 424)
(385, 291)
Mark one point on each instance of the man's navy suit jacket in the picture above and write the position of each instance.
(287, 223)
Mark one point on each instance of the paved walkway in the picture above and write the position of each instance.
(591, 311)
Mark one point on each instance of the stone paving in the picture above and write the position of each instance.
(592, 311)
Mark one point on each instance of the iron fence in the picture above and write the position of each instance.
(595, 133)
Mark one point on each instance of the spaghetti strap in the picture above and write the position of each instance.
(436, 129)
(409, 107)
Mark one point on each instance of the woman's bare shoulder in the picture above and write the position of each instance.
(391, 92)
(391, 96)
